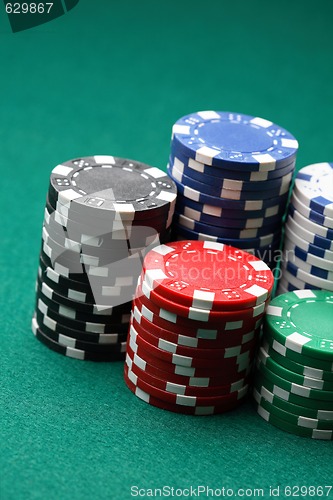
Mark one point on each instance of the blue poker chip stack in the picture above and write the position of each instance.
(233, 174)
(308, 247)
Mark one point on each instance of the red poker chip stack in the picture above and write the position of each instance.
(195, 326)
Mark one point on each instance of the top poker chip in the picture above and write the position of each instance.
(208, 275)
(302, 321)
(112, 187)
(234, 141)
(314, 187)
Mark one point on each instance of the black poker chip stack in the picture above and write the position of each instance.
(102, 214)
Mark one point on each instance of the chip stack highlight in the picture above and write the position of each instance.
(195, 325)
(294, 382)
(102, 214)
(308, 246)
(233, 174)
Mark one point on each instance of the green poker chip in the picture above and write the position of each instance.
(289, 407)
(300, 358)
(294, 429)
(302, 321)
(287, 395)
(299, 390)
(292, 418)
(312, 383)
(306, 371)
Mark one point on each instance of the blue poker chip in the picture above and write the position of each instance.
(234, 141)
(239, 224)
(311, 214)
(307, 246)
(236, 190)
(314, 187)
(245, 243)
(222, 232)
(231, 204)
(208, 173)
(203, 210)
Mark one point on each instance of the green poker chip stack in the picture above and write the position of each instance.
(293, 387)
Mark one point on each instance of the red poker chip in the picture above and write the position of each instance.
(227, 367)
(167, 320)
(181, 400)
(173, 388)
(208, 275)
(211, 317)
(186, 361)
(192, 352)
(186, 410)
(228, 376)
(226, 339)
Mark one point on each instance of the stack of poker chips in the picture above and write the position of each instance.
(233, 174)
(294, 383)
(195, 325)
(102, 214)
(308, 246)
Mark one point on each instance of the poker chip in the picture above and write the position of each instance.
(196, 170)
(83, 326)
(201, 338)
(111, 187)
(102, 215)
(308, 248)
(52, 325)
(308, 372)
(234, 141)
(200, 329)
(284, 404)
(227, 213)
(180, 389)
(294, 365)
(229, 189)
(187, 410)
(292, 320)
(307, 278)
(314, 187)
(192, 342)
(313, 397)
(228, 203)
(296, 378)
(250, 284)
(309, 236)
(270, 383)
(231, 368)
(294, 251)
(152, 366)
(288, 426)
(311, 226)
(244, 243)
(233, 174)
(307, 267)
(72, 352)
(202, 215)
(312, 215)
(223, 232)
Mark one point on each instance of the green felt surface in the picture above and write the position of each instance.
(111, 78)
